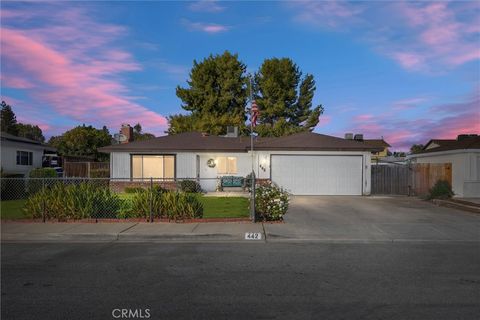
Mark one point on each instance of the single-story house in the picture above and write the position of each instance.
(381, 144)
(21, 155)
(304, 163)
(464, 155)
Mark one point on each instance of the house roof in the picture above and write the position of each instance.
(10, 137)
(380, 143)
(195, 141)
(472, 142)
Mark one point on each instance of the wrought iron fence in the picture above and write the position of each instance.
(108, 198)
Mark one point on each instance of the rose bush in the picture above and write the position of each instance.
(271, 202)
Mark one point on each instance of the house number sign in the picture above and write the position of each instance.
(253, 236)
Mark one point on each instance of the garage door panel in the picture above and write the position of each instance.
(318, 175)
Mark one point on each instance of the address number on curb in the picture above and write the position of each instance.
(253, 236)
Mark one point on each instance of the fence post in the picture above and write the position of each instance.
(252, 200)
(151, 200)
(43, 200)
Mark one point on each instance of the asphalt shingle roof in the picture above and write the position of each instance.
(196, 141)
(447, 145)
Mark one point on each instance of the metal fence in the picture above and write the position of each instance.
(107, 198)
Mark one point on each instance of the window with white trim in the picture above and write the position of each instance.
(153, 166)
(226, 165)
(24, 158)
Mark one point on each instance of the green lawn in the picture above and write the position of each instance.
(213, 207)
(12, 209)
(217, 207)
(225, 207)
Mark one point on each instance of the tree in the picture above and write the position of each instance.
(216, 96)
(209, 123)
(139, 135)
(29, 131)
(416, 148)
(82, 141)
(8, 119)
(284, 98)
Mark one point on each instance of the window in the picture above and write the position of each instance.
(227, 165)
(153, 166)
(24, 158)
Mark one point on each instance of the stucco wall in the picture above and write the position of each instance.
(9, 157)
(186, 165)
(465, 170)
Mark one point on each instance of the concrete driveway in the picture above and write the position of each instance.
(375, 218)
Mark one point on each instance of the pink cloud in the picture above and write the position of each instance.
(420, 36)
(324, 120)
(206, 6)
(332, 14)
(364, 117)
(76, 70)
(439, 122)
(205, 27)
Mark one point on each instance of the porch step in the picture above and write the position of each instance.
(233, 189)
(458, 204)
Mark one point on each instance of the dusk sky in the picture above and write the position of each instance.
(407, 71)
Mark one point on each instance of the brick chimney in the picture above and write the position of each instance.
(127, 131)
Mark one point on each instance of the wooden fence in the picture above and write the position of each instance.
(86, 169)
(390, 179)
(425, 175)
(414, 179)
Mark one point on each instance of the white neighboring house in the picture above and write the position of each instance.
(464, 155)
(304, 163)
(21, 155)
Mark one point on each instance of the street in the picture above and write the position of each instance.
(382, 280)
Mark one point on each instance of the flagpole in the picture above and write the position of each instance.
(252, 200)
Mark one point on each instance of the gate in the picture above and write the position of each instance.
(391, 179)
(414, 179)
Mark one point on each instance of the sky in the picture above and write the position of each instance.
(405, 71)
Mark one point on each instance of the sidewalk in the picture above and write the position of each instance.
(97, 232)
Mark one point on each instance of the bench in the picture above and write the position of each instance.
(232, 182)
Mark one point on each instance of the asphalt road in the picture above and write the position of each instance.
(241, 280)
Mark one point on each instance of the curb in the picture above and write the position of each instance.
(122, 237)
(72, 237)
(461, 205)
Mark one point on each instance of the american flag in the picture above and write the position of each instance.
(254, 113)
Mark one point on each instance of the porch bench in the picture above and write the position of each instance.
(232, 181)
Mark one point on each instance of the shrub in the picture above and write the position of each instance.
(143, 199)
(39, 176)
(43, 173)
(441, 190)
(271, 202)
(191, 186)
(99, 173)
(247, 183)
(165, 204)
(74, 201)
(180, 205)
(133, 189)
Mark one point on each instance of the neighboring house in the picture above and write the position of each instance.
(382, 145)
(391, 160)
(303, 163)
(464, 155)
(20, 155)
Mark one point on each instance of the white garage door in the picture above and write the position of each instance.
(318, 175)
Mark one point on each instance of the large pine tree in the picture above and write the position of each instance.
(215, 97)
(8, 119)
(284, 98)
